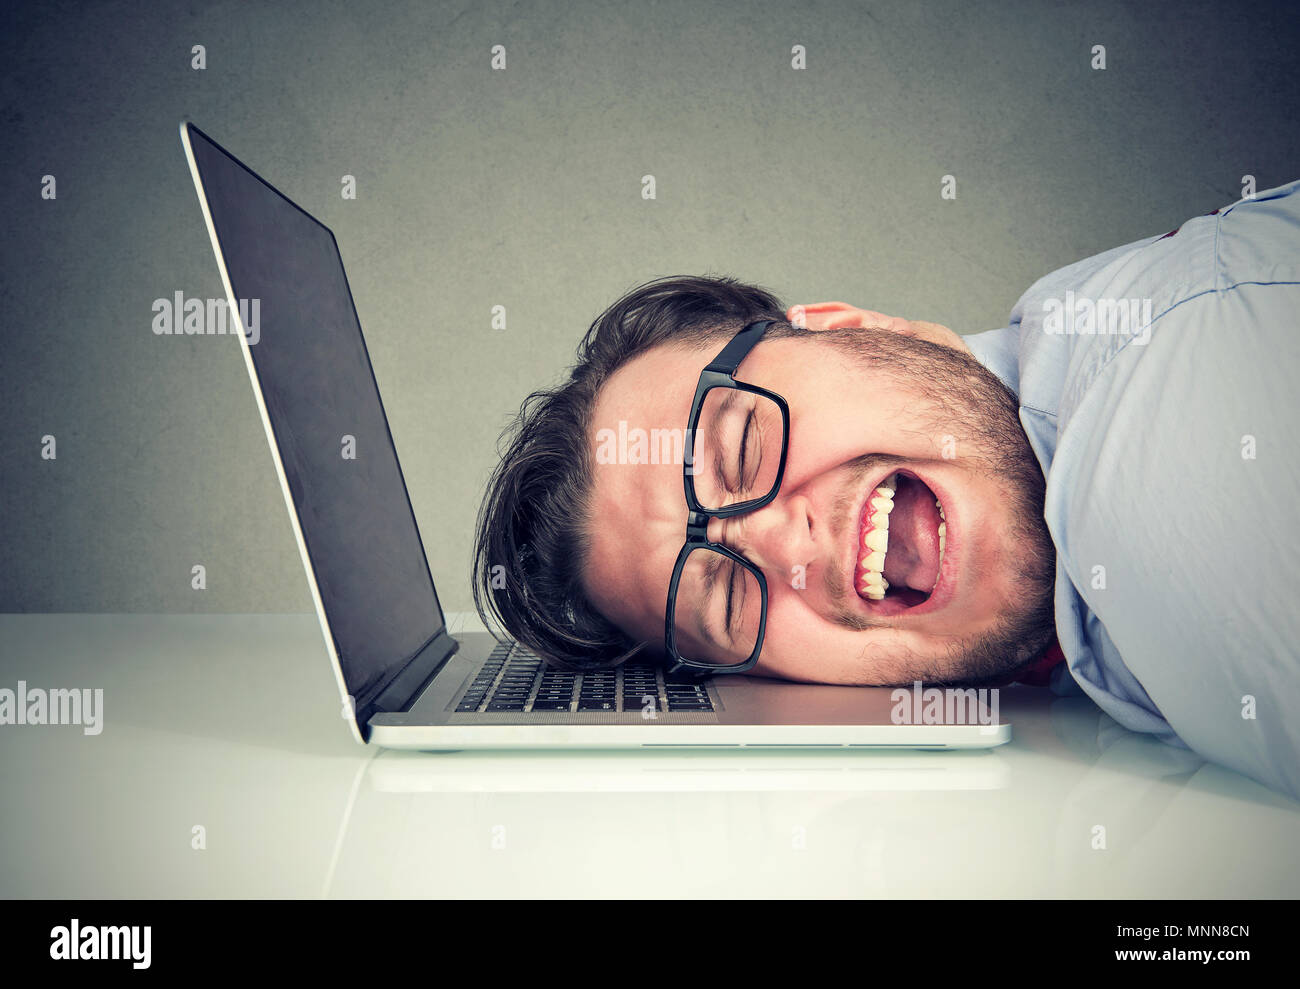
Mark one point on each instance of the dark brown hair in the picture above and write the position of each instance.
(530, 548)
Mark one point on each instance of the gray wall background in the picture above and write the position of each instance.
(522, 188)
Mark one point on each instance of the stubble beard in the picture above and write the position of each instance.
(969, 401)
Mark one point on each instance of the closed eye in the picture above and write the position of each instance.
(730, 606)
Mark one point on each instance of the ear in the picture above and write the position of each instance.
(842, 316)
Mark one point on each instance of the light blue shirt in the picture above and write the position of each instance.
(1171, 448)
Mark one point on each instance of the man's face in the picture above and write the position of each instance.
(864, 406)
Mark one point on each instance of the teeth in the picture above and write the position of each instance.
(874, 585)
(875, 542)
(943, 542)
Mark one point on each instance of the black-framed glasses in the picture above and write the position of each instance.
(735, 448)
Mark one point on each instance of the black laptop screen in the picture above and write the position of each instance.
(329, 423)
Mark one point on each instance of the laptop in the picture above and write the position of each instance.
(404, 680)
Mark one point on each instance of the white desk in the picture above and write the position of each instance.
(232, 723)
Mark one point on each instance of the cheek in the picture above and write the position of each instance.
(837, 428)
(801, 644)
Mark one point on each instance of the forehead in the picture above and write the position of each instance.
(659, 382)
(637, 519)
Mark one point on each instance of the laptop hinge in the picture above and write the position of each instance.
(403, 689)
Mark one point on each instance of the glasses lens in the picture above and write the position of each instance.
(718, 614)
(737, 448)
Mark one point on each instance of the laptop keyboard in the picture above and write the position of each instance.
(516, 679)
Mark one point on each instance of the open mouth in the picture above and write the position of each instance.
(902, 536)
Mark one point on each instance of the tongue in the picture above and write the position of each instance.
(913, 556)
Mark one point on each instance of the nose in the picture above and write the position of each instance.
(776, 538)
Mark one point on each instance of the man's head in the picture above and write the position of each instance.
(575, 550)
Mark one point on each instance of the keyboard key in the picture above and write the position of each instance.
(550, 705)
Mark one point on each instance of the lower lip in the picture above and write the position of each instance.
(943, 590)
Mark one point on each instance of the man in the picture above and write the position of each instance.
(1112, 472)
